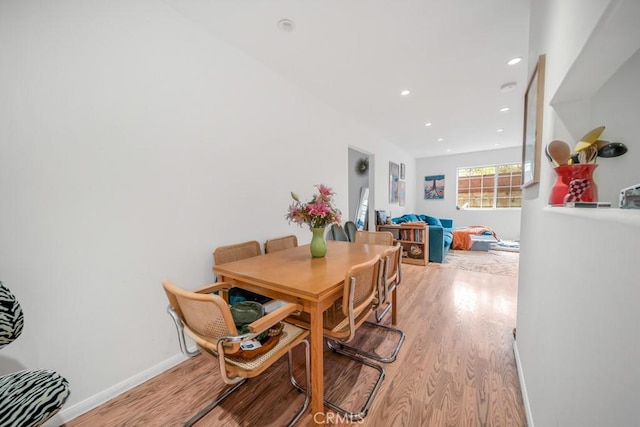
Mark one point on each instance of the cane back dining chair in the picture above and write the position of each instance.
(391, 278)
(221, 255)
(386, 297)
(280, 243)
(374, 237)
(358, 298)
(236, 252)
(207, 319)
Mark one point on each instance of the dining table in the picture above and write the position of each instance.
(293, 275)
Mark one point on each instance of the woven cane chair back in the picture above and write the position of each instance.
(374, 237)
(364, 278)
(236, 252)
(280, 243)
(207, 315)
(392, 270)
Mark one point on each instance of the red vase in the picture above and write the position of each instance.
(584, 188)
(560, 188)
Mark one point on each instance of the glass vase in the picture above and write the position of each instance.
(318, 243)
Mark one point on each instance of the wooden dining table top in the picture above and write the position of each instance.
(296, 273)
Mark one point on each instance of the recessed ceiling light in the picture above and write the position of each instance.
(405, 92)
(499, 130)
(427, 124)
(497, 144)
(508, 86)
(448, 150)
(440, 139)
(514, 61)
(503, 109)
(286, 25)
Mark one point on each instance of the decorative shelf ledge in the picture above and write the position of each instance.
(622, 216)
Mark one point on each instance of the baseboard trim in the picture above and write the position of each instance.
(67, 414)
(523, 386)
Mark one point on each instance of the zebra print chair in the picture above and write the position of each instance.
(30, 397)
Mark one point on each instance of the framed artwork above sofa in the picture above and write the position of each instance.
(433, 187)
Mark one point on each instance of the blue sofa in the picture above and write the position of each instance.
(440, 235)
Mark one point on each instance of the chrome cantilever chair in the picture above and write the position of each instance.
(208, 321)
(221, 255)
(32, 396)
(359, 296)
(280, 243)
(350, 228)
(388, 283)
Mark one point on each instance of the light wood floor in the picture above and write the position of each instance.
(456, 368)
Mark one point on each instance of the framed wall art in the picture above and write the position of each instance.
(532, 135)
(401, 170)
(394, 173)
(402, 193)
(433, 187)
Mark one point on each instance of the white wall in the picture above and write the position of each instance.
(623, 92)
(505, 222)
(577, 322)
(132, 144)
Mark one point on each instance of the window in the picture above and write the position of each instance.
(490, 187)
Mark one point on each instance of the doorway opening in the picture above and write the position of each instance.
(361, 189)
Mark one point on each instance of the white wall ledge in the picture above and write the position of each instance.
(622, 216)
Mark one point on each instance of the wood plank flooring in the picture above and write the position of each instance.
(456, 368)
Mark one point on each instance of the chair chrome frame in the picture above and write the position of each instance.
(385, 289)
(355, 416)
(180, 330)
(237, 382)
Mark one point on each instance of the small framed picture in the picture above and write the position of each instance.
(401, 170)
(393, 182)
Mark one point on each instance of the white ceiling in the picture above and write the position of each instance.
(357, 55)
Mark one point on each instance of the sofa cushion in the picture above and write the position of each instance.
(431, 220)
(447, 237)
(405, 218)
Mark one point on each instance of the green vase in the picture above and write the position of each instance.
(318, 244)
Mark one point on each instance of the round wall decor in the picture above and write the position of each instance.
(362, 166)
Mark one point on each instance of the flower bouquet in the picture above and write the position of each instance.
(317, 214)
